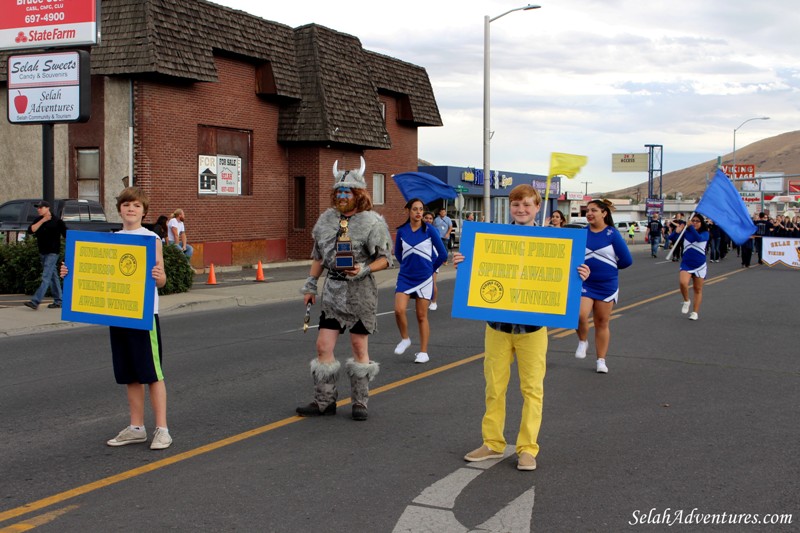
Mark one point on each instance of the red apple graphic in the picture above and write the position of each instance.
(21, 103)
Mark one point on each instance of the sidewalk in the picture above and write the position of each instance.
(235, 287)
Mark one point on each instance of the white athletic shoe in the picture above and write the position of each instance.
(601, 366)
(685, 307)
(692, 316)
(433, 306)
(422, 357)
(402, 346)
(580, 353)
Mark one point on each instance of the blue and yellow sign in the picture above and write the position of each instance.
(520, 274)
(109, 279)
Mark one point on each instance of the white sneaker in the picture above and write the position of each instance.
(580, 353)
(128, 436)
(433, 306)
(422, 357)
(685, 307)
(601, 366)
(161, 439)
(402, 346)
(692, 316)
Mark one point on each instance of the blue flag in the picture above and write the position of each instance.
(424, 186)
(722, 204)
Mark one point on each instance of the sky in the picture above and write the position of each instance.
(586, 77)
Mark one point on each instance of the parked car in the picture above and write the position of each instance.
(638, 227)
(84, 215)
(579, 225)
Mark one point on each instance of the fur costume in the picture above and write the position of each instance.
(348, 300)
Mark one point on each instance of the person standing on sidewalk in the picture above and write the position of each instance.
(420, 251)
(445, 227)
(137, 353)
(351, 242)
(502, 343)
(606, 255)
(48, 230)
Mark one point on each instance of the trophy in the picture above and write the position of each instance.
(344, 249)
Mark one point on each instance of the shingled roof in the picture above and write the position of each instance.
(326, 82)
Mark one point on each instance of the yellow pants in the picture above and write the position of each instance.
(531, 352)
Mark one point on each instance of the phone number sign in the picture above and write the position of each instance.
(48, 23)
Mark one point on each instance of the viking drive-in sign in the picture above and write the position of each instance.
(48, 23)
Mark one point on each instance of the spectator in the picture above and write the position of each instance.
(445, 227)
(557, 219)
(160, 228)
(652, 233)
(48, 230)
(177, 232)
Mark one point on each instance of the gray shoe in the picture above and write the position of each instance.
(128, 436)
(32, 305)
(161, 439)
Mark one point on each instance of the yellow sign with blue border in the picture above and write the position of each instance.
(520, 274)
(109, 280)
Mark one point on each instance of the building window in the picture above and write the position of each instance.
(299, 202)
(378, 188)
(224, 161)
(89, 173)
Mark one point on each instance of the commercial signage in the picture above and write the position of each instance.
(741, 171)
(219, 174)
(49, 88)
(630, 162)
(574, 195)
(48, 23)
(751, 197)
(654, 205)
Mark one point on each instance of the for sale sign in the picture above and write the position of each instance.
(48, 23)
(49, 88)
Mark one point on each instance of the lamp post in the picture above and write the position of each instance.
(487, 136)
(734, 174)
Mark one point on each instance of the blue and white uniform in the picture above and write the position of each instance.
(606, 254)
(420, 253)
(694, 251)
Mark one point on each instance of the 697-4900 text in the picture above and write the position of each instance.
(670, 517)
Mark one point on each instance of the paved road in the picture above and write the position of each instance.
(693, 415)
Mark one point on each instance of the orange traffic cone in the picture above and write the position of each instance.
(260, 273)
(212, 278)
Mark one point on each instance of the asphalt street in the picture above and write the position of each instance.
(695, 422)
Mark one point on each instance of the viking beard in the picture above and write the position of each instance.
(345, 205)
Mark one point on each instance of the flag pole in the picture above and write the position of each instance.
(671, 250)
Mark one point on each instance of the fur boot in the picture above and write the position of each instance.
(325, 393)
(360, 376)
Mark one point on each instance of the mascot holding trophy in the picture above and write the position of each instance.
(351, 242)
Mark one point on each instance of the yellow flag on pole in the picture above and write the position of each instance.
(566, 164)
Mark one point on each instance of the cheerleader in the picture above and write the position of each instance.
(420, 251)
(606, 254)
(693, 263)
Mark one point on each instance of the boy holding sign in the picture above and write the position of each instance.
(502, 342)
(136, 353)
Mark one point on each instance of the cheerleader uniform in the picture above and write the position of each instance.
(606, 254)
(694, 252)
(420, 253)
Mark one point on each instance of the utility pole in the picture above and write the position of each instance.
(587, 187)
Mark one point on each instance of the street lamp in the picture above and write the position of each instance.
(734, 174)
(487, 136)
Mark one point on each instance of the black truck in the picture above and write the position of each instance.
(83, 215)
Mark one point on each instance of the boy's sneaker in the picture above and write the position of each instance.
(481, 454)
(128, 436)
(161, 439)
(601, 366)
(32, 305)
(685, 307)
(526, 461)
(422, 357)
(433, 306)
(402, 346)
(580, 353)
(54, 306)
(692, 316)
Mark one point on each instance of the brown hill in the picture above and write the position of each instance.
(775, 154)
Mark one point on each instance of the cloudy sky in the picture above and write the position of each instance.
(588, 77)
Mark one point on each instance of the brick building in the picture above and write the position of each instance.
(235, 119)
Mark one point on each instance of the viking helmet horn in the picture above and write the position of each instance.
(335, 168)
(363, 167)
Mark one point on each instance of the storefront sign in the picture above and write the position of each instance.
(630, 162)
(49, 23)
(521, 275)
(110, 280)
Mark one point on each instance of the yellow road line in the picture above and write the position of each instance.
(37, 521)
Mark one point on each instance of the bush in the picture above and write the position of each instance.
(180, 274)
(20, 267)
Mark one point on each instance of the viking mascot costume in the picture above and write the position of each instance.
(350, 242)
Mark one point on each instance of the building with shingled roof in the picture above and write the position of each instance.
(185, 90)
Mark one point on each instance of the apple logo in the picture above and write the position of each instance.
(21, 103)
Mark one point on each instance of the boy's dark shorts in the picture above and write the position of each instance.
(331, 323)
(136, 354)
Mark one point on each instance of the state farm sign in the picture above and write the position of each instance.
(44, 88)
(48, 23)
